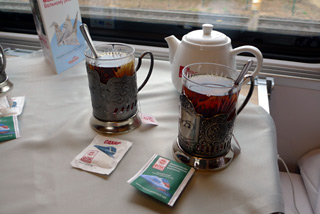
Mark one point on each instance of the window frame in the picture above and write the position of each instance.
(296, 48)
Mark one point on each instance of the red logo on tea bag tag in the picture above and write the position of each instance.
(180, 71)
(188, 71)
(161, 164)
(148, 119)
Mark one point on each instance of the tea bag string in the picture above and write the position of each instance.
(139, 107)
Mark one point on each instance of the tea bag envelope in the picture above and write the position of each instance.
(162, 179)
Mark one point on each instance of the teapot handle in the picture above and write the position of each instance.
(253, 50)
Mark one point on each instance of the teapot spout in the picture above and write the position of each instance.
(173, 44)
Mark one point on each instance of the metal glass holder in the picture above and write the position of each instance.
(5, 86)
(116, 127)
(200, 163)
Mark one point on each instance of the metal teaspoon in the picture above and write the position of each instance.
(85, 32)
(244, 71)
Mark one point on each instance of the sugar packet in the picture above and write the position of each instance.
(102, 155)
(162, 179)
(11, 105)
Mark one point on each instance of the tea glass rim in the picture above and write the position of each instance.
(91, 56)
(184, 70)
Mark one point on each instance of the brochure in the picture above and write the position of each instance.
(57, 23)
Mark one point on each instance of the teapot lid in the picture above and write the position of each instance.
(207, 36)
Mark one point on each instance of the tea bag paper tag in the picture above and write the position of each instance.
(102, 155)
(148, 119)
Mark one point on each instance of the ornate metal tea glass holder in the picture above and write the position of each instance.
(204, 139)
(5, 84)
(114, 104)
(203, 143)
(113, 88)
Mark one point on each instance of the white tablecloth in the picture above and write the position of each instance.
(36, 175)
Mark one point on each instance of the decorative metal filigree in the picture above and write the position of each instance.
(114, 101)
(203, 137)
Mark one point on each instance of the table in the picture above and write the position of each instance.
(36, 175)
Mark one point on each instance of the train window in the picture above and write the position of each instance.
(281, 29)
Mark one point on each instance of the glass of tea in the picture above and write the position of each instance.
(113, 87)
(208, 109)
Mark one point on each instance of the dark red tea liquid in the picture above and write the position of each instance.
(107, 71)
(211, 100)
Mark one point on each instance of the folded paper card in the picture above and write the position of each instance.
(57, 23)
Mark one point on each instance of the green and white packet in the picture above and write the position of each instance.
(9, 128)
(162, 179)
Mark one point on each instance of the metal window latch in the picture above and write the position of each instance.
(265, 86)
(268, 82)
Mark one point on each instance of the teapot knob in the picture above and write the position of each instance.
(207, 28)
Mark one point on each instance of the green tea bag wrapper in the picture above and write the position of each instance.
(9, 128)
(162, 179)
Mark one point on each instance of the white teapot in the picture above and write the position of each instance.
(205, 45)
